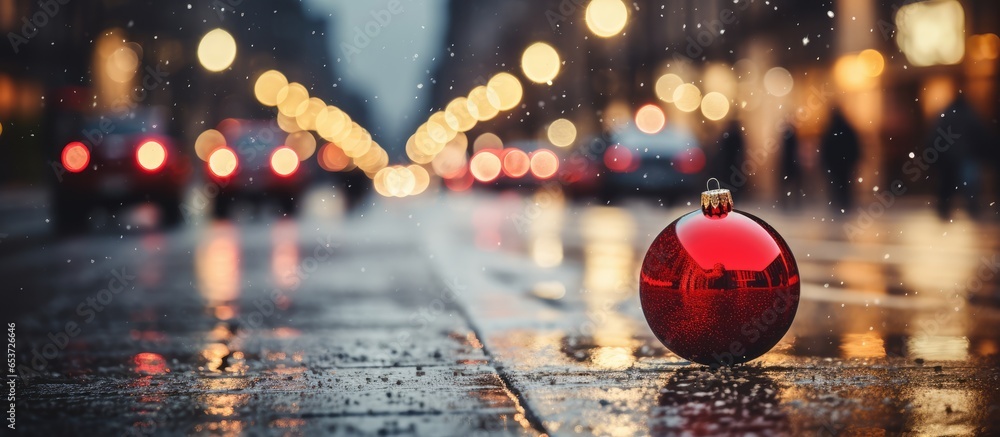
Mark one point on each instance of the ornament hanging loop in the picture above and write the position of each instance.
(717, 202)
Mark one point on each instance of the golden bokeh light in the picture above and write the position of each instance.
(217, 50)
(478, 104)
(421, 179)
(984, 47)
(650, 119)
(415, 154)
(504, 91)
(222, 162)
(851, 74)
(331, 121)
(778, 81)
(307, 119)
(487, 140)
(268, 84)
(438, 128)
(561, 133)
(457, 115)
(291, 99)
(687, 97)
(714, 106)
(931, 33)
(544, 163)
(122, 64)
(872, 62)
(666, 85)
(207, 142)
(287, 124)
(332, 158)
(606, 18)
(357, 142)
(303, 143)
(284, 161)
(485, 166)
(450, 162)
(540, 63)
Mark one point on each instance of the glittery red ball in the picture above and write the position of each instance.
(719, 290)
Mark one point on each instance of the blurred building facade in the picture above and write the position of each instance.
(891, 67)
(108, 57)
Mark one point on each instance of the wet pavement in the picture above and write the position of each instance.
(485, 313)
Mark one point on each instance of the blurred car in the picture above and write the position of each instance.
(112, 162)
(662, 164)
(254, 165)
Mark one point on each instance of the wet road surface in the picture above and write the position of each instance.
(484, 314)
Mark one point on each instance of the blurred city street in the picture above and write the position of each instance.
(487, 313)
(480, 217)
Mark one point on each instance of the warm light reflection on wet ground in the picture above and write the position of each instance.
(884, 323)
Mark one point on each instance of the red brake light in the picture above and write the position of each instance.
(544, 163)
(619, 158)
(75, 157)
(151, 156)
(222, 162)
(284, 161)
(515, 163)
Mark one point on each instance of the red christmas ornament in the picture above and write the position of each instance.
(719, 286)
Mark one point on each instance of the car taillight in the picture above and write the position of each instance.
(515, 163)
(222, 162)
(544, 163)
(75, 157)
(619, 158)
(151, 156)
(284, 161)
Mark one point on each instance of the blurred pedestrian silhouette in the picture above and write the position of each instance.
(961, 142)
(731, 155)
(790, 178)
(839, 154)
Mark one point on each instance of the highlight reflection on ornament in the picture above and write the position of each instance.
(719, 286)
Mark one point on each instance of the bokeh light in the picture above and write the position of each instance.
(122, 64)
(872, 62)
(504, 91)
(307, 119)
(687, 97)
(931, 33)
(75, 157)
(457, 115)
(222, 162)
(268, 84)
(516, 163)
(207, 142)
(421, 179)
(284, 161)
(650, 119)
(544, 163)
(485, 165)
(540, 63)
(666, 85)
(479, 106)
(291, 99)
(487, 140)
(217, 50)
(778, 81)
(561, 133)
(332, 158)
(714, 106)
(303, 143)
(618, 158)
(606, 18)
(151, 155)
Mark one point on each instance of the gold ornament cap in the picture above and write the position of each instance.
(717, 202)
